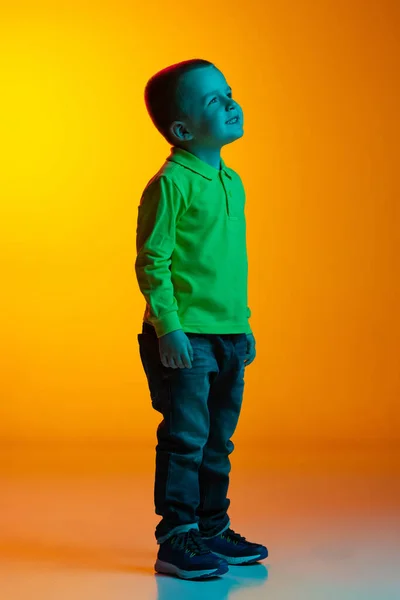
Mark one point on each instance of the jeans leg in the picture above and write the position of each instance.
(181, 396)
(224, 404)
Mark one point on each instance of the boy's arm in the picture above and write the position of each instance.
(160, 207)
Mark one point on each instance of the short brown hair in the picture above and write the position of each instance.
(162, 97)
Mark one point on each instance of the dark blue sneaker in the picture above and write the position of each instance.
(186, 556)
(235, 549)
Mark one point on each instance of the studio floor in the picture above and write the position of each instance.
(77, 521)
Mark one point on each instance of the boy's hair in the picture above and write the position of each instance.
(163, 98)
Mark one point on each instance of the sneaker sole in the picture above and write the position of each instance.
(242, 560)
(170, 569)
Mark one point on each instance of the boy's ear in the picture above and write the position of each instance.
(179, 131)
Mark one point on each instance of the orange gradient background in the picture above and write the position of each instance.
(318, 83)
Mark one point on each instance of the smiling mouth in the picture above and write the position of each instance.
(232, 121)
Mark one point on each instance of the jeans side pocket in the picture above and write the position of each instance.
(154, 369)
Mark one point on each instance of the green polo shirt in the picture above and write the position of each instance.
(191, 262)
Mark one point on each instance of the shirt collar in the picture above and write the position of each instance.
(195, 164)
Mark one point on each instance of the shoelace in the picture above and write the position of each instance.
(192, 542)
(229, 534)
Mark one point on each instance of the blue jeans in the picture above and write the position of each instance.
(201, 408)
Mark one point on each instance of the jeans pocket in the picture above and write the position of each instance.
(156, 373)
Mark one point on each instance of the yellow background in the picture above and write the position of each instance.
(318, 83)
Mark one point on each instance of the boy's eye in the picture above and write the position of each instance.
(211, 101)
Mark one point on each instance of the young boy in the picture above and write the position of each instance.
(191, 267)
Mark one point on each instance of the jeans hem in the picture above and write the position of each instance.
(209, 537)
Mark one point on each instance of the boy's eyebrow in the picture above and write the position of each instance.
(214, 92)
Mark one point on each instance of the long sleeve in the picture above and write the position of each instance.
(161, 205)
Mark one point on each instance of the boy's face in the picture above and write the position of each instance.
(208, 104)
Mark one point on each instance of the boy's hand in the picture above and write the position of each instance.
(251, 350)
(176, 350)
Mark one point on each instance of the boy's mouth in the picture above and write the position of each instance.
(232, 121)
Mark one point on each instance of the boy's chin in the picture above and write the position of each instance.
(236, 136)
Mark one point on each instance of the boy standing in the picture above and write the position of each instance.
(191, 267)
